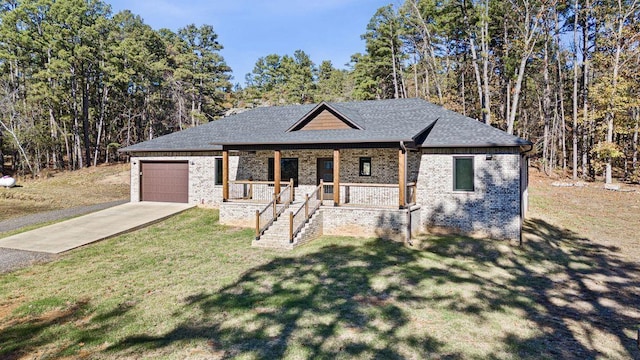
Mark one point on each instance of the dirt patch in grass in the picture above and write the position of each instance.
(61, 190)
(609, 218)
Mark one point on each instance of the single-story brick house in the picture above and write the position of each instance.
(384, 168)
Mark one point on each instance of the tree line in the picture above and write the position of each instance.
(77, 82)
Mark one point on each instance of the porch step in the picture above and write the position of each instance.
(277, 235)
(311, 230)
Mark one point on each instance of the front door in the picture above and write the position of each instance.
(325, 173)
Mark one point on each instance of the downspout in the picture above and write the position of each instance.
(522, 210)
(408, 210)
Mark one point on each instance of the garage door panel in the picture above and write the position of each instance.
(165, 181)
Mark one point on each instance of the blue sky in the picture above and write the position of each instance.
(249, 29)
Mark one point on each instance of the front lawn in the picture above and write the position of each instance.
(191, 288)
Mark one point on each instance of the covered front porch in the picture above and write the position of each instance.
(370, 177)
(281, 190)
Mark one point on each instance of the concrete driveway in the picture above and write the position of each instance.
(100, 225)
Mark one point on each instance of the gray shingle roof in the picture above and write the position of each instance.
(382, 121)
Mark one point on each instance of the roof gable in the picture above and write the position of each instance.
(324, 117)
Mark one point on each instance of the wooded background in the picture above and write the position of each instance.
(77, 82)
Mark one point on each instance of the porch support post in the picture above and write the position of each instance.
(276, 172)
(225, 175)
(336, 177)
(402, 178)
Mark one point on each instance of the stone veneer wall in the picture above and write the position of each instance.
(202, 188)
(492, 209)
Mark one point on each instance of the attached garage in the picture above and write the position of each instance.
(164, 181)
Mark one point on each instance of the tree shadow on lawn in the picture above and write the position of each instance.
(35, 334)
(342, 300)
(588, 293)
(583, 296)
(325, 303)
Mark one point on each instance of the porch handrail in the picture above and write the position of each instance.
(249, 182)
(264, 217)
(253, 190)
(368, 194)
(364, 184)
(261, 226)
(288, 188)
(296, 219)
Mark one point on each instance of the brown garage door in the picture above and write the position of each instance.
(165, 181)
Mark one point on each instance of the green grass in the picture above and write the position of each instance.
(191, 288)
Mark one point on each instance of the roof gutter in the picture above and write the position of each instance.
(473, 145)
(124, 150)
(528, 150)
(311, 142)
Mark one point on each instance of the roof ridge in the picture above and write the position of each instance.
(381, 121)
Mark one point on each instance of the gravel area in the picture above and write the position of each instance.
(33, 219)
(11, 260)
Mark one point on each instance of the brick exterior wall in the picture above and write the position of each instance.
(384, 165)
(240, 214)
(350, 221)
(312, 231)
(245, 165)
(202, 188)
(341, 221)
(491, 210)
